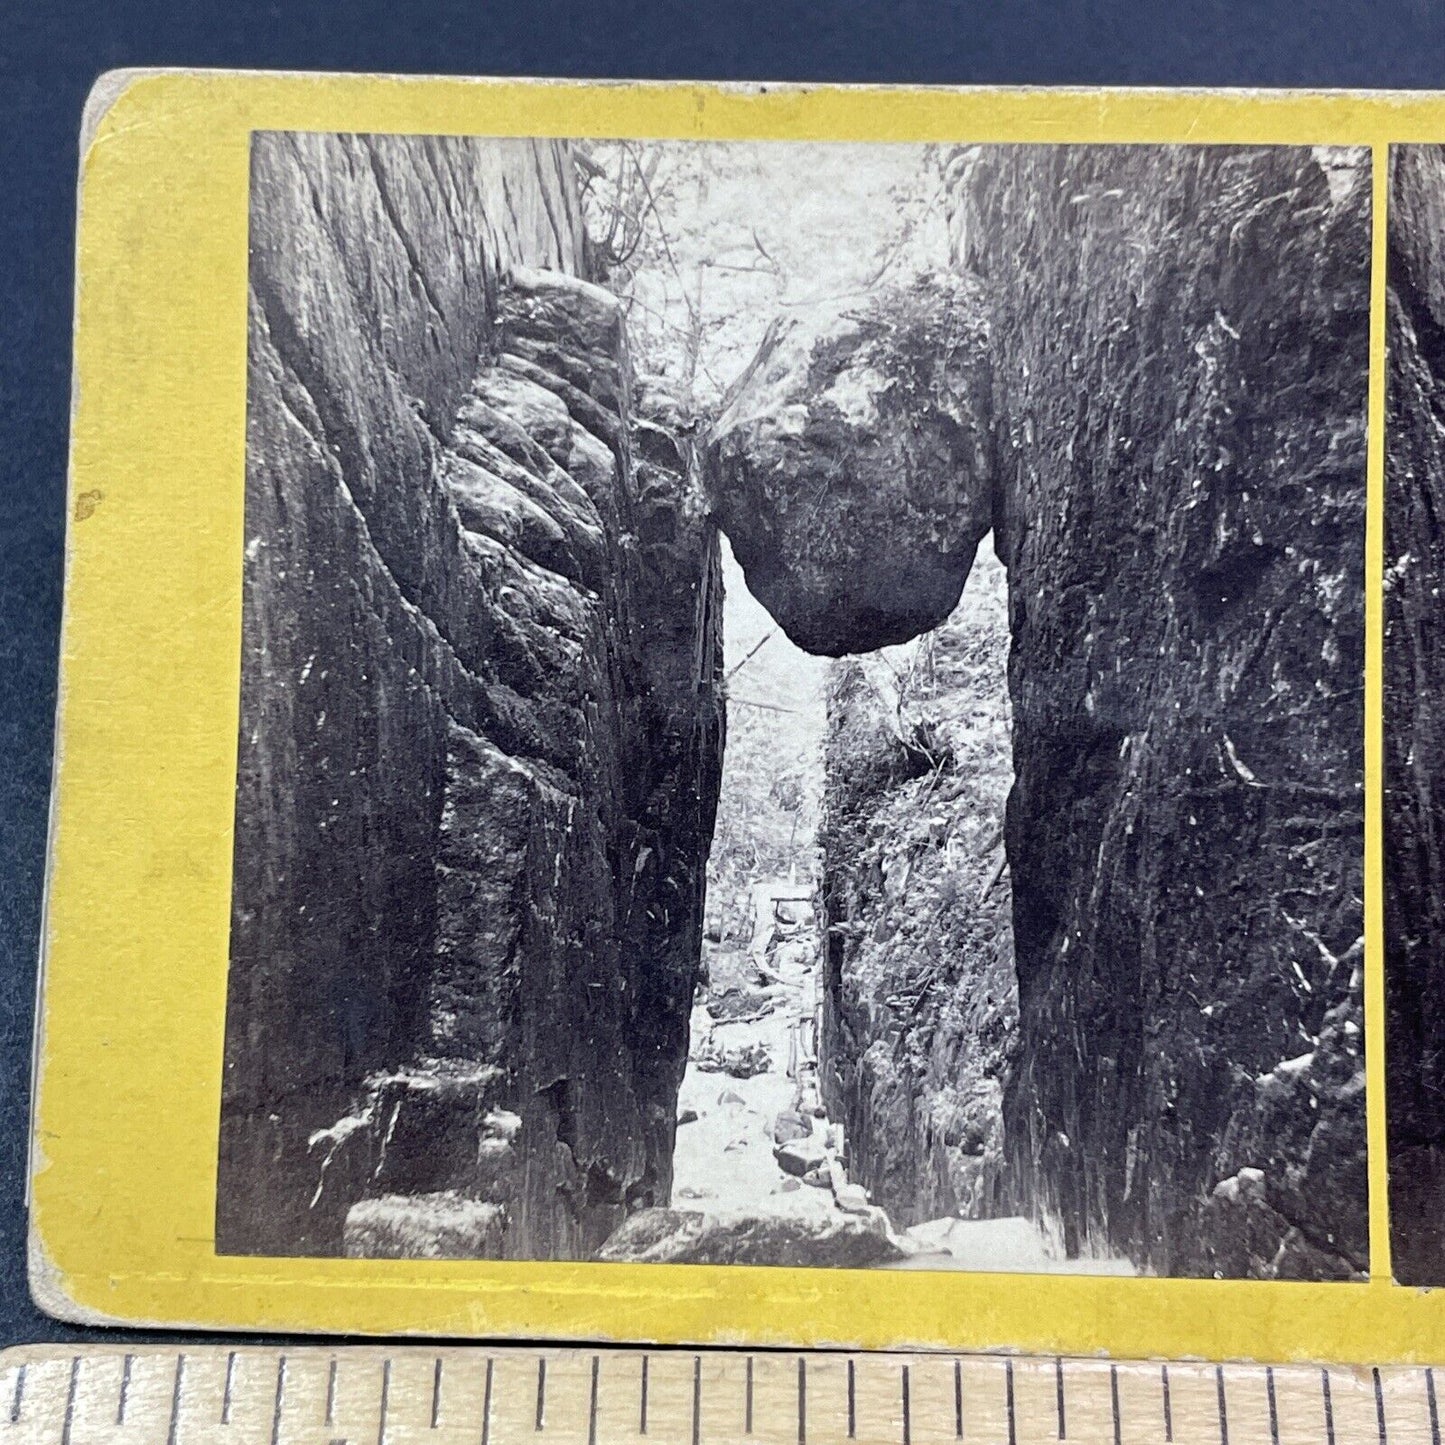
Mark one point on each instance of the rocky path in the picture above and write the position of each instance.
(724, 1159)
(759, 1170)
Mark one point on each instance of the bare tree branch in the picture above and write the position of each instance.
(753, 651)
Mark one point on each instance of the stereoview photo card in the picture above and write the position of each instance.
(795, 716)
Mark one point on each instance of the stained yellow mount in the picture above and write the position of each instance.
(477, 1396)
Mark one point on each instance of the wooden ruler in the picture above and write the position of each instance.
(475, 1395)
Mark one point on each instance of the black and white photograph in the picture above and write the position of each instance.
(1414, 724)
(803, 704)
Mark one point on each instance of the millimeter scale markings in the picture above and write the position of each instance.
(477, 1395)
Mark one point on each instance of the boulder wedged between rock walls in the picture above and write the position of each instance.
(850, 468)
(679, 1236)
(1157, 400)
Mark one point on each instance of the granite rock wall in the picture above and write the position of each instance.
(1414, 725)
(1181, 355)
(479, 738)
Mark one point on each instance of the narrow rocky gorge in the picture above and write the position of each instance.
(1079, 510)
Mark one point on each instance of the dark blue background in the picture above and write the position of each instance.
(51, 52)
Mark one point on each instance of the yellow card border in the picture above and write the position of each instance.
(138, 909)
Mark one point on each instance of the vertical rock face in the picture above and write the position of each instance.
(1180, 343)
(1172, 410)
(921, 1005)
(479, 742)
(1415, 712)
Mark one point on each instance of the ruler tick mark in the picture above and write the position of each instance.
(592, 1403)
(1329, 1408)
(1114, 1401)
(331, 1393)
(907, 1423)
(1008, 1380)
(1223, 1407)
(280, 1400)
(1059, 1396)
(70, 1401)
(802, 1401)
(487, 1405)
(1273, 1406)
(958, 1399)
(120, 1405)
(385, 1402)
(226, 1396)
(436, 1393)
(642, 1413)
(18, 1398)
(852, 1406)
(1168, 1403)
(748, 1405)
(176, 1400)
(1434, 1409)
(1379, 1406)
(696, 1399)
(541, 1393)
